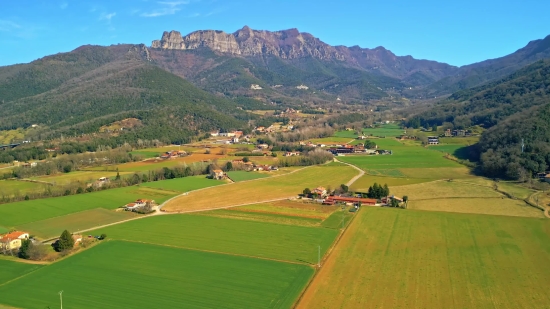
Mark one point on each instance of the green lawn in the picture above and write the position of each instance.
(10, 270)
(19, 213)
(388, 130)
(394, 258)
(267, 240)
(404, 156)
(13, 187)
(118, 274)
(184, 184)
(146, 154)
(237, 176)
(3, 230)
(346, 134)
(49, 228)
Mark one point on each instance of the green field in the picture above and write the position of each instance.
(146, 154)
(82, 176)
(184, 184)
(404, 156)
(237, 176)
(242, 237)
(119, 274)
(14, 187)
(3, 230)
(10, 270)
(388, 130)
(346, 134)
(19, 213)
(338, 219)
(49, 228)
(263, 217)
(392, 258)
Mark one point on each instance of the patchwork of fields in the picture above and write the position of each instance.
(391, 258)
(263, 190)
(461, 243)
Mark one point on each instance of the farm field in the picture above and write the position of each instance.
(49, 228)
(388, 130)
(83, 176)
(362, 184)
(19, 213)
(488, 206)
(184, 184)
(173, 277)
(291, 208)
(391, 258)
(459, 140)
(444, 189)
(237, 176)
(263, 190)
(263, 217)
(460, 172)
(152, 164)
(241, 237)
(514, 189)
(10, 270)
(13, 187)
(404, 156)
(345, 134)
(3, 230)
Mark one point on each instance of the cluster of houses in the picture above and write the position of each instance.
(322, 195)
(173, 154)
(232, 137)
(457, 133)
(219, 174)
(139, 204)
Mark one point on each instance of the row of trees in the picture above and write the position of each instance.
(378, 191)
(317, 156)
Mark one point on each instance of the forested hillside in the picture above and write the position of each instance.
(489, 104)
(501, 146)
(81, 91)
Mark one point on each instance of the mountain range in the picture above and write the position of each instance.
(182, 86)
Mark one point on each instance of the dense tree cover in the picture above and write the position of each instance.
(120, 86)
(65, 242)
(489, 104)
(500, 146)
(317, 156)
(23, 154)
(378, 191)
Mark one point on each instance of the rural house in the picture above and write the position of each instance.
(433, 140)
(321, 191)
(12, 241)
(217, 174)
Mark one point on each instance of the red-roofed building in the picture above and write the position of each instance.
(349, 199)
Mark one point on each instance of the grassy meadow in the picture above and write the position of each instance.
(237, 176)
(392, 258)
(10, 270)
(263, 190)
(118, 274)
(49, 228)
(19, 213)
(231, 236)
(14, 187)
(82, 176)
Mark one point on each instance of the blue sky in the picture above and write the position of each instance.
(457, 32)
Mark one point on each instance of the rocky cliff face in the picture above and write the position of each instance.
(287, 44)
(292, 44)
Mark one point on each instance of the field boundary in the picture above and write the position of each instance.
(325, 257)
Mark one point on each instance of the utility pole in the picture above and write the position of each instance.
(61, 298)
(318, 258)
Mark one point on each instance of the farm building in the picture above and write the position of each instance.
(433, 140)
(11, 241)
(217, 174)
(139, 204)
(349, 199)
(291, 154)
(77, 239)
(321, 191)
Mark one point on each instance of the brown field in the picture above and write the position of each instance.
(153, 164)
(443, 189)
(488, 206)
(263, 190)
(391, 258)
